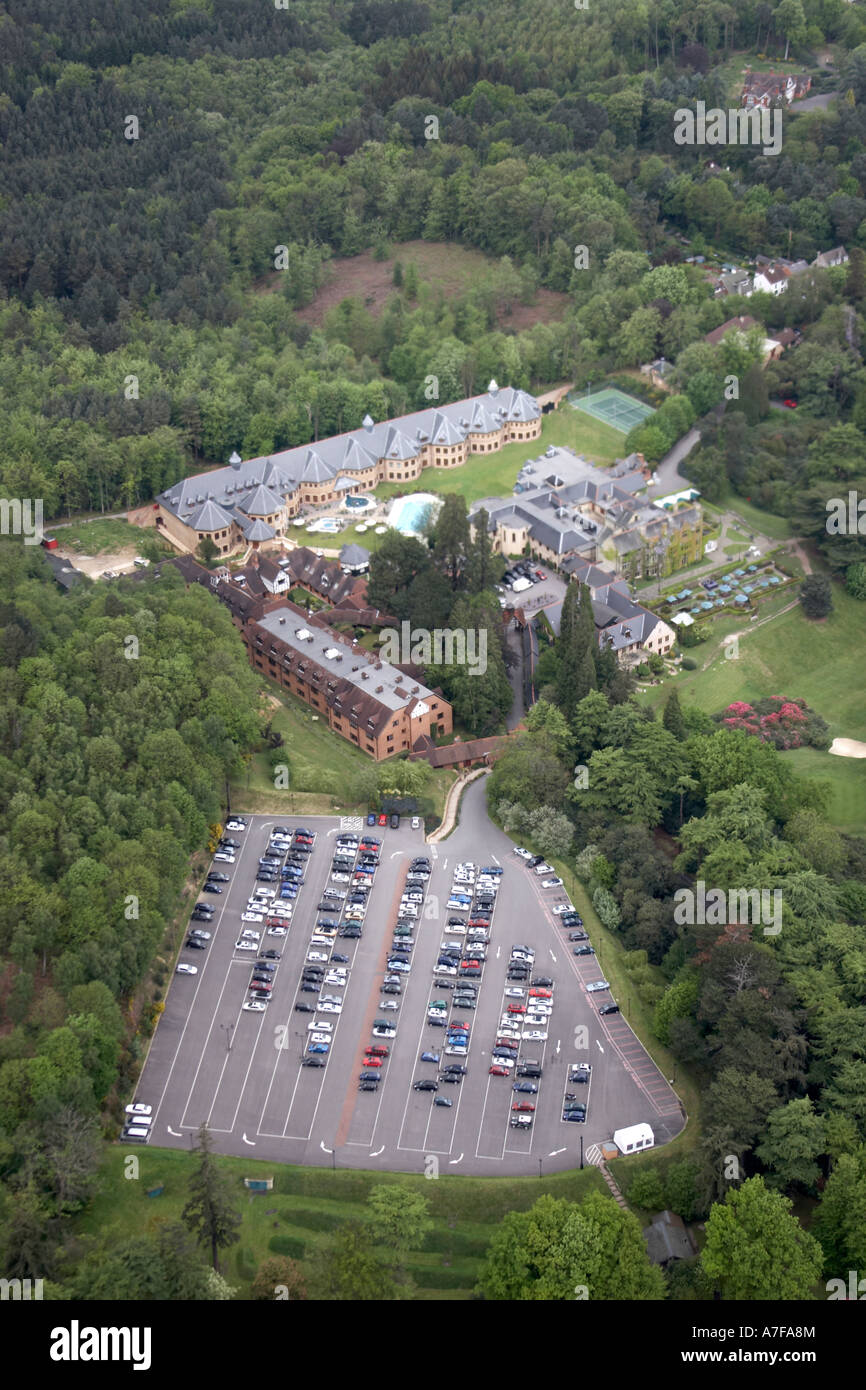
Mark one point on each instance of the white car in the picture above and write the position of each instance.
(330, 1008)
(253, 1006)
(515, 994)
(338, 980)
(508, 1033)
(138, 1109)
(536, 1020)
(341, 878)
(563, 907)
(184, 969)
(445, 970)
(507, 1062)
(384, 1032)
(224, 857)
(453, 1051)
(544, 869)
(316, 955)
(455, 930)
(252, 917)
(334, 893)
(265, 892)
(325, 1027)
(524, 853)
(249, 935)
(388, 1004)
(552, 883)
(236, 825)
(246, 945)
(595, 985)
(320, 939)
(277, 931)
(535, 1035)
(320, 1038)
(416, 823)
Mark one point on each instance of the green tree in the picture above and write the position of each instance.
(349, 1270)
(840, 1220)
(558, 1247)
(816, 596)
(793, 1142)
(855, 580)
(210, 1213)
(207, 551)
(672, 719)
(279, 1278)
(757, 1250)
(399, 1217)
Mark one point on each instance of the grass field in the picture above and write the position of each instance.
(778, 528)
(307, 1204)
(820, 662)
(97, 536)
(322, 767)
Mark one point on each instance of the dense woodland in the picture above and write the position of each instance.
(143, 333)
(771, 1025)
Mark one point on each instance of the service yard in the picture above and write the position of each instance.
(240, 1069)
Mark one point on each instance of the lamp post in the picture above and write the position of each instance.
(228, 1029)
(540, 1162)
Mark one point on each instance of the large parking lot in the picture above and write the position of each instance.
(282, 1080)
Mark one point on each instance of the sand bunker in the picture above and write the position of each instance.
(848, 748)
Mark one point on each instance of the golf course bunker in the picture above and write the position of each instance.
(848, 748)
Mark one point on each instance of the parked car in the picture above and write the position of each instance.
(609, 1009)
(184, 969)
(595, 986)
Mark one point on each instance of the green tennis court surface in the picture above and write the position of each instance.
(613, 407)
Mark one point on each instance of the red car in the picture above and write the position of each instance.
(517, 1008)
(376, 1051)
(791, 404)
(540, 994)
(463, 1027)
(470, 965)
(372, 1061)
(383, 819)
(509, 1043)
(499, 1071)
(522, 1105)
(539, 574)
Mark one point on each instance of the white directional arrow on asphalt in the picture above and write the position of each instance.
(378, 1152)
(554, 1153)
(495, 860)
(552, 956)
(251, 1142)
(498, 951)
(444, 863)
(322, 1147)
(598, 1045)
(456, 1160)
(176, 1134)
(397, 853)
(558, 1045)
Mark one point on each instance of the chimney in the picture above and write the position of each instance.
(236, 460)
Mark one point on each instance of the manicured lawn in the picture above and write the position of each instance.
(821, 662)
(778, 528)
(494, 475)
(307, 1204)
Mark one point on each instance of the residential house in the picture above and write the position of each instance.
(771, 279)
(768, 89)
(826, 259)
(668, 1238)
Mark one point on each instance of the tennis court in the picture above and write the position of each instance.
(613, 407)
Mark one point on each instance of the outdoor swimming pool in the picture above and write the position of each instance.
(411, 514)
(324, 523)
(360, 503)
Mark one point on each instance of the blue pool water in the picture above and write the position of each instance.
(412, 513)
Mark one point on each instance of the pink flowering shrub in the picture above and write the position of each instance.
(777, 719)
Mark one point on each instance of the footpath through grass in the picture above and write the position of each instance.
(307, 1205)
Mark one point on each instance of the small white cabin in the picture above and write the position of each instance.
(633, 1139)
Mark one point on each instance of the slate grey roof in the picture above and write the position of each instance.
(401, 438)
(262, 501)
(320, 646)
(210, 517)
(354, 555)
